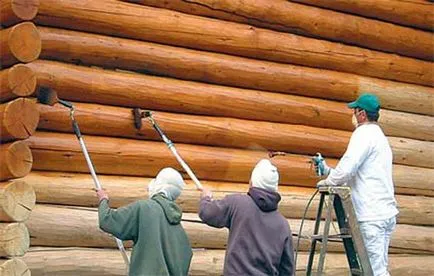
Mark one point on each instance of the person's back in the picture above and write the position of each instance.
(161, 246)
(260, 240)
(160, 242)
(372, 185)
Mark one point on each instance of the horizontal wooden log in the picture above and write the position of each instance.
(45, 261)
(409, 13)
(14, 239)
(188, 97)
(162, 26)
(17, 199)
(78, 227)
(20, 43)
(13, 266)
(77, 190)
(113, 52)
(18, 119)
(398, 124)
(17, 81)
(225, 132)
(16, 160)
(304, 20)
(15, 11)
(61, 152)
(204, 130)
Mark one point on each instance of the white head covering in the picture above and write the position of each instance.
(168, 182)
(265, 176)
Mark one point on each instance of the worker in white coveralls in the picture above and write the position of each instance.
(367, 168)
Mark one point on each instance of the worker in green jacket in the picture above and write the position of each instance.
(161, 246)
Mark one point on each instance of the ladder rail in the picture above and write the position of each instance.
(339, 198)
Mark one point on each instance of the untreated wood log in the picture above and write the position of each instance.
(225, 132)
(16, 160)
(20, 43)
(304, 20)
(17, 81)
(77, 190)
(17, 199)
(14, 11)
(14, 239)
(78, 227)
(45, 261)
(18, 119)
(61, 152)
(13, 266)
(113, 52)
(188, 97)
(416, 13)
(159, 25)
(399, 124)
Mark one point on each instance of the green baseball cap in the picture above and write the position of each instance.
(367, 102)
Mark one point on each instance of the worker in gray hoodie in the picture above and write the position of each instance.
(260, 240)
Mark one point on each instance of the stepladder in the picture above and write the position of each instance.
(338, 198)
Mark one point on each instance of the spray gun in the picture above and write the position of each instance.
(318, 162)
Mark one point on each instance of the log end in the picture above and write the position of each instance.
(22, 80)
(25, 10)
(14, 267)
(16, 160)
(18, 200)
(25, 42)
(19, 119)
(14, 239)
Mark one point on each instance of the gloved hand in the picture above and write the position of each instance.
(101, 195)
(206, 193)
(321, 183)
(321, 167)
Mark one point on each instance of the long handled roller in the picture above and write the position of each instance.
(49, 97)
(138, 115)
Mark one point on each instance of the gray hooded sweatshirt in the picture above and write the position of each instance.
(260, 240)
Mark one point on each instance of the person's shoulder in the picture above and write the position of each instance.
(143, 203)
(236, 197)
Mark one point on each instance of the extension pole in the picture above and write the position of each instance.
(172, 148)
(94, 177)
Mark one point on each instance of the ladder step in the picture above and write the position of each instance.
(338, 237)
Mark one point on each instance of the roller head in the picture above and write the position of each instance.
(47, 96)
(137, 114)
(147, 113)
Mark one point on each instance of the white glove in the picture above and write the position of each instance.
(321, 167)
(321, 183)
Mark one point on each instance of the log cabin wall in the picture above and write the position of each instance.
(19, 117)
(228, 81)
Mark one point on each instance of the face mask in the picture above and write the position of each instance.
(354, 121)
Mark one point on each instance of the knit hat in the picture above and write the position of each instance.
(265, 176)
(168, 182)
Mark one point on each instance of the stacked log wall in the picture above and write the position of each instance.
(227, 84)
(20, 43)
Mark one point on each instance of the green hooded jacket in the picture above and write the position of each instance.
(161, 246)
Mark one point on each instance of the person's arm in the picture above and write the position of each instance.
(286, 266)
(215, 213)
(357, 151)
(121, 223)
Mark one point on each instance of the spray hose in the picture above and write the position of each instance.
(301, 226)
